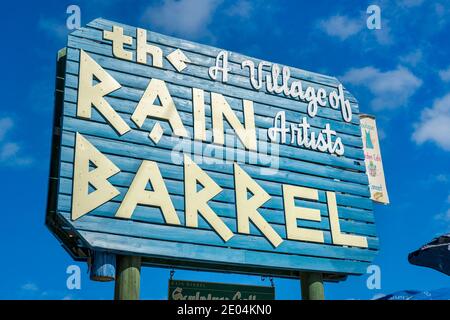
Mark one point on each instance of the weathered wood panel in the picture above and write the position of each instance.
(146, 233)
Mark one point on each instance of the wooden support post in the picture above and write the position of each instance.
(312, 286)
(128, 278)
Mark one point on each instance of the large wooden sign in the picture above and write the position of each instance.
(190, 155)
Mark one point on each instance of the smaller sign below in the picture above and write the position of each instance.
(374, 163)
(194, 290)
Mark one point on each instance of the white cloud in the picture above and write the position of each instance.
(183, 17)
(383, 35)
(434, 124)
(442, 13)
(30, 286)
(445, 74)
(442, 219)
(411, 3)
(5, 125)
(242, 8)
(341, 27)
(443, 216)
(53, 28)
(442, 178)
(10, 150)
(11, 155)
(412, 58)
(390, 89)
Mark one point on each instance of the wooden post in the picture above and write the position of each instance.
(312, 286)
(128, 278)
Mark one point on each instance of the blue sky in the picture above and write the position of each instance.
(400, 73)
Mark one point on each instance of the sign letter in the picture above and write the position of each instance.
(221, 109)
(93, 95)
(213, 71)
(198, 101)
(84, 201)
(166, 111)
(143, 48)
(293, 213)
(247, 207)
(137, 194)
(119, 39)
(338, 237)
(197, 201)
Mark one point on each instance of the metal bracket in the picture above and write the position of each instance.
(172, 272)
(263, 278)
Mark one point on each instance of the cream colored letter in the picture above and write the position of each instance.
(93, 95)
(166, 111)
(82, 201)
(197, 201)
(247, 207)
(292, 213)
(221, 109)
(198, 101)
(338, 237)
(143, 48)
(119, 39)
(137, 194)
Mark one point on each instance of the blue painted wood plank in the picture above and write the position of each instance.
(211, 52)
(207, 53)
(125, 148)
(171, 173)
(285, 150)
(228, 256)
(234, 58)
(291, 152)
(207, 237)
(138, 77)
(174, 176)
(222, 209)
(150, 215)
(133, 87)
(269, 160)
(199, 79)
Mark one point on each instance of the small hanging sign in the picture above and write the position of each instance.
(374, 163)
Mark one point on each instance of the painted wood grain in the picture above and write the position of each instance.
(146, 232)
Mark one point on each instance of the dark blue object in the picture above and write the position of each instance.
(439, 294)
(103, 266)
(435, 255)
